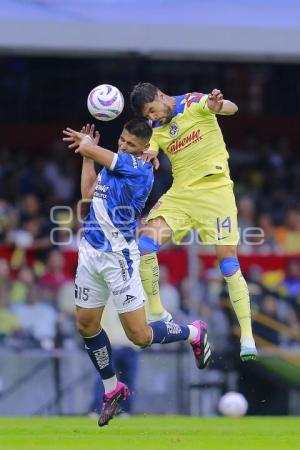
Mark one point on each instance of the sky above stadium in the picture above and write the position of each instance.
(264, 13)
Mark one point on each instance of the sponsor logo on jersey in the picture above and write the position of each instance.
(173, 130)
(134, 162)
(129, 299)
(101, 191)
(102, 187)
(184, 142)
(123, 269)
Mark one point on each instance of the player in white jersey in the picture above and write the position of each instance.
(109, 258)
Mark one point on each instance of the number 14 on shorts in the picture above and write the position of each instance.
(223, 227)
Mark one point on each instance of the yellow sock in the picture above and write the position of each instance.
(240, 300)
(149, 271)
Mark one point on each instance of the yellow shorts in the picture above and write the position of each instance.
(208, 207)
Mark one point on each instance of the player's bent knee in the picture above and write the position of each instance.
(87, 327)
(229, 266)
(158, 231)
(140, 337)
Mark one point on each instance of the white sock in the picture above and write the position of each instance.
(110, 384)
(248, 342)
(193, 333)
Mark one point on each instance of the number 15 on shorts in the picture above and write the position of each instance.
(81, 293)
(223, 227)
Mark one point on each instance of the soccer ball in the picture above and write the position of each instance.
(105, 102)
(233, 404)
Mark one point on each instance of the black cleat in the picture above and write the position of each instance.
(200, 345)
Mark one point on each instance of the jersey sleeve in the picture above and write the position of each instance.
(200, 106)
(154, 146)
(128, 165)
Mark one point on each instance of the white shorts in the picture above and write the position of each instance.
(103, 274)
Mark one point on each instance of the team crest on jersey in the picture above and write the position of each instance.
(173, 130)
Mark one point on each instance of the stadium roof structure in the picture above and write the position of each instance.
(206, 28)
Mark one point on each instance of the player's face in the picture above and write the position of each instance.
(129, 143)
(158, 111)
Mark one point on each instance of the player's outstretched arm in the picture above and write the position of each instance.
(218, 105)
(84, 144)
(88, 174)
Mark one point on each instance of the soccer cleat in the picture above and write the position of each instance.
(200, 345)
(112, 402)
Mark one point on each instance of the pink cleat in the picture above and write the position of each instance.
(112, 402)
(200, 345)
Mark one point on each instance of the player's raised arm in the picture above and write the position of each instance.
(88, 174)
(84, 144)
(218, 105)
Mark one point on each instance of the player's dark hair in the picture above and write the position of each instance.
(141, 94)
(139, 128)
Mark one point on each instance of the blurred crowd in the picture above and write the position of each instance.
(52, 89)
(37, 305)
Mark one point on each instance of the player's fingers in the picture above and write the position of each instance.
(71, 146)
(216, 92)
(73, 134)
(68, 139)
(156, 164)
(92, 129)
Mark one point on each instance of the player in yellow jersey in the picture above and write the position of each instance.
(185, 127)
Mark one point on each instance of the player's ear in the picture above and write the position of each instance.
(160, 95)
(146, 146)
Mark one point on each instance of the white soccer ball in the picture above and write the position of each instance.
(105, 102)
(233, 404)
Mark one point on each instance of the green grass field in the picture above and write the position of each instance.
(149, 432)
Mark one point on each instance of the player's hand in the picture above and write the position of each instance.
(215, 100)
(73, 137)
(149, 156)
(87, 135)
(90, 131)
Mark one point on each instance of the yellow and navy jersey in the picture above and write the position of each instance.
(192, 140)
